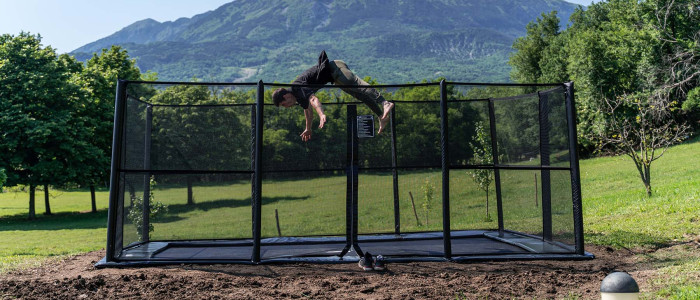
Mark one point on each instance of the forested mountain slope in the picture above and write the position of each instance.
(394, 41)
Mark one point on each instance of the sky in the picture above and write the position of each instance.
(66, 25)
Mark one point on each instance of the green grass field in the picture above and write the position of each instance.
(316, 206)
(617, 212)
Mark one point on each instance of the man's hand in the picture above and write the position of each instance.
(322, 121)
(306, 135)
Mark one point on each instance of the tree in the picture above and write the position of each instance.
(619, 51)
(678, 24)
(644, 120)
(42, 140)
(691, 106)
(3, 178)
(428, 198)
(483, 155)
(531, 50)
(98, 79)
(156, 210)
(642, 128)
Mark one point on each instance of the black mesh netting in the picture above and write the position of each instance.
(187, 174)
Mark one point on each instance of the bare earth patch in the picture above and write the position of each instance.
(77, 278)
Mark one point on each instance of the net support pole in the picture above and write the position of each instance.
(257, 171)
(350, 115)
(253, 150)
(146, 208)
(545, 178)
(575, 172)
(444, 138)
(354, 172)
(395, 175)
(114, 186)
(496, 171)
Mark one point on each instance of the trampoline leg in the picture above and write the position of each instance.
(358, 250)
(345, 251)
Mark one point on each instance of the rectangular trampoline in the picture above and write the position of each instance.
(215, 173)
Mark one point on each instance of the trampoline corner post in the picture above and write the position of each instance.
(395, 175)
(446, 236)
(117, 137)
(351, 114)
(257, 171)
(575, 172)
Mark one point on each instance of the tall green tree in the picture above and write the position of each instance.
(631, 60)
(531, 50)
(42, 139)
(641, 128)
(98, 80)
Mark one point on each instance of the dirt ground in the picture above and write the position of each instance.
(77, 278)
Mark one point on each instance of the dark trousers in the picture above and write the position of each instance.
(369, 96)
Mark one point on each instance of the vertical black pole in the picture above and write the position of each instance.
(496, 170)
(444, 138)
(352, 112)
(114, 186)
(575, 173)
(146, 209)
(257, 192)
(252, 153)
(394, 163)
(545, 150)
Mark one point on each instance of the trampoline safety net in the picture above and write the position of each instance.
(215, 173)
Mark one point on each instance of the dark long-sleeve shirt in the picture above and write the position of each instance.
(319, 74)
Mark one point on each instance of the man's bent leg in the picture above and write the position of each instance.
(365, 93)
(369, 96)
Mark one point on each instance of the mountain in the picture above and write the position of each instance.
(393, 41)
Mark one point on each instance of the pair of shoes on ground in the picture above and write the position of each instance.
(368, 263)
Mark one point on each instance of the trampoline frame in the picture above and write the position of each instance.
(352, 249)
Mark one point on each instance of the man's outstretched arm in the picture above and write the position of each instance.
(309, 116)
(319, 110)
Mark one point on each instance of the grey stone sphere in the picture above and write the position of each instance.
(619, 282)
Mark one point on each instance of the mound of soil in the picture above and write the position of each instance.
(77, 278)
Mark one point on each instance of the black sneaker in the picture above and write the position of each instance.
(366, 262)
(379, 264)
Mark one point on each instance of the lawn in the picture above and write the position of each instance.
(617, 213)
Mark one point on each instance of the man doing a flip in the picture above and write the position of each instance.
(337, 72)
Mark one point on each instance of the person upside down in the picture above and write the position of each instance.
(336, 72)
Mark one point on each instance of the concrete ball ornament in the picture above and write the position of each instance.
(619, 286)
